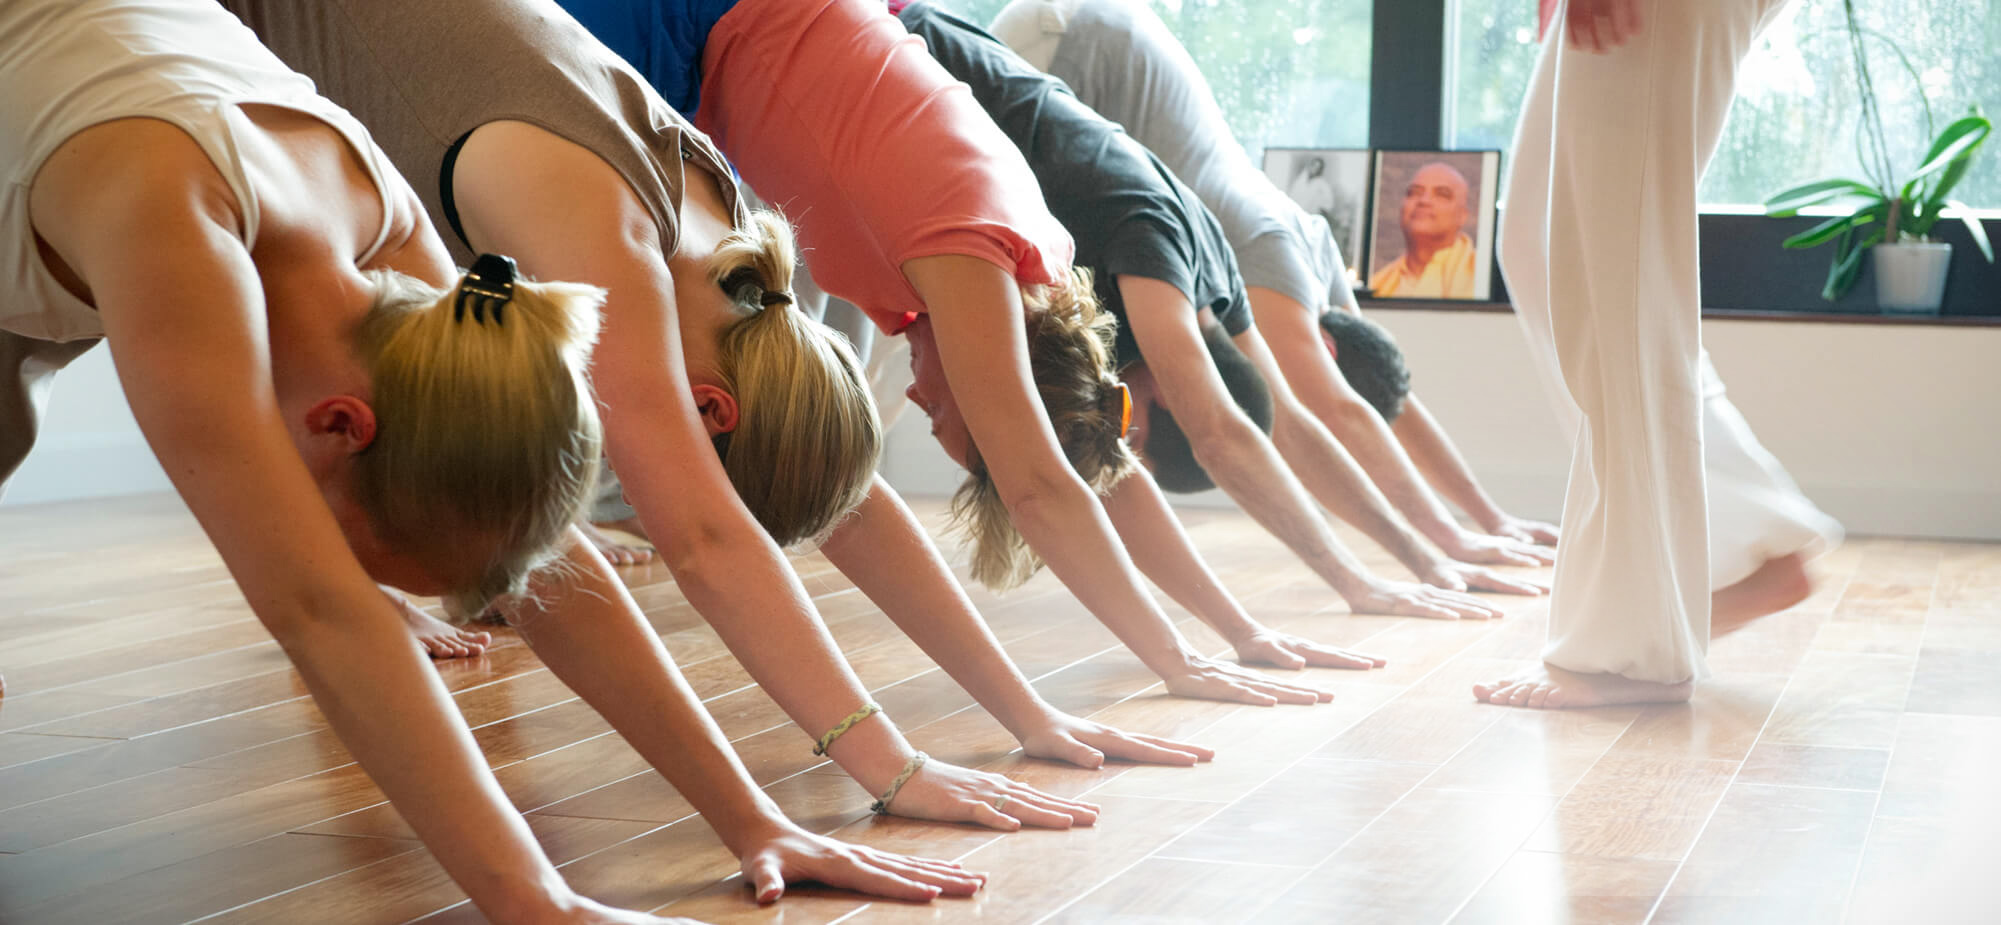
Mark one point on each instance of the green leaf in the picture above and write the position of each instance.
(1974, 226)
(1847, 267)
(1957, 141)
(1789, 202)
(1840, 225)
(1946, 181)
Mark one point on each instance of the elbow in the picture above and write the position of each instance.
(1043, 497)
(703, 547)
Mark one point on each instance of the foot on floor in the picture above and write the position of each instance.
(1548, 687)
(615, 550)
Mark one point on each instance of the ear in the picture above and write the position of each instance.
(345, 417)
(717, 407)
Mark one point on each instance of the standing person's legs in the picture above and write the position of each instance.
(1628, 133)
(1762, 529)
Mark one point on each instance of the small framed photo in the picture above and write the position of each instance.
(1332, 183)
(1433, 235)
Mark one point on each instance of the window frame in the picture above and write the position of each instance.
(1745, 271)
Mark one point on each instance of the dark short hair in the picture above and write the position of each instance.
(1173, 460)
(1369, 359)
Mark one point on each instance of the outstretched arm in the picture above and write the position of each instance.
(977, 320)
(154, 237)
(883, 549)
(1245, 465)
(588, 630)
(1432, 451)
(1164, 552)
(1292, 334)
(1300, 436)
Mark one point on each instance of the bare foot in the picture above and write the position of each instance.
(1548, 687)
(439, 639)
(1778, 584)
(616, 551)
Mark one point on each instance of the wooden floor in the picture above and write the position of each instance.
(160, 761)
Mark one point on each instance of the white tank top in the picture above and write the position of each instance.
(66, 65)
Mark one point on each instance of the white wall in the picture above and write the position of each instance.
(1893, 429)
(89, 445)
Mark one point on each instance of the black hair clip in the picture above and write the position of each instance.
(489, 282)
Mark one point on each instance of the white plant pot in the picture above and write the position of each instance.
(1911, 277)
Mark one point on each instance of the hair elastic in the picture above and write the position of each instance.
(827, 741)
(881, 806)
(775, 297)
(489, 284)
(1126, 415)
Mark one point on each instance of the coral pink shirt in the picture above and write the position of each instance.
(838, 116)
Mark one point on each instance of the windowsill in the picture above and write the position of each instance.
(1712, 314)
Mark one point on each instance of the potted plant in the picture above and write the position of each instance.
(1885, 217)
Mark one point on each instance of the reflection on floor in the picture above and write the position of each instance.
(160, 762)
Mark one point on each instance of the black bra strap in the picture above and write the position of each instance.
(445, 189)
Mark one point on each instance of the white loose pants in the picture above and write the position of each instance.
(1600, 250)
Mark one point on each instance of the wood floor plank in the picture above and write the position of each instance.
(1537, 886)
(1843, 699)
(1161, 890)
(406, 886)
(160, 761)
(1418, 861)
(221, 880)
(1816, 766)
(1636, 806)
(18, 748)
(1300, 817)
(1772, 854)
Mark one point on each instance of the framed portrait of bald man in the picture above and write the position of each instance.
(1331, 183)
(1434, 225)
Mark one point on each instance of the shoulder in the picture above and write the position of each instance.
(128, 177)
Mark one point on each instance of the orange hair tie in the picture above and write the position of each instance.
(1125, 416)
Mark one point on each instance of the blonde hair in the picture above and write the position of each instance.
(1069, 357)
(487, 436)
(807, 439)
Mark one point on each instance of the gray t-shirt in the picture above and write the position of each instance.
(1120, 60)
(1127, 212)
(422, 76)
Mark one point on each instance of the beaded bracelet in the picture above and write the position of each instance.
(881, 807)
(827, 741)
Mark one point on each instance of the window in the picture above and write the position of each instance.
(1288, 73)
(1795, 93)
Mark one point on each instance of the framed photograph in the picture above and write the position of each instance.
(1433, 235)
(1332, 183)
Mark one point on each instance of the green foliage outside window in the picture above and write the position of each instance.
(1288, 73)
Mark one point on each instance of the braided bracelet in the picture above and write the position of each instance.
(881, 807)
(827, 741)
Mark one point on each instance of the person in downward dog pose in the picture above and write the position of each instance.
(733, 420)
(1160, 260)
(1670, 496)
(835, 114)
(1119, 59)
(176, 191)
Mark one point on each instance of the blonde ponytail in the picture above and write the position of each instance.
(1069, 357)
(807, 439)
(487, 437)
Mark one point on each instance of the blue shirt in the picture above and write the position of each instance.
(661, 39)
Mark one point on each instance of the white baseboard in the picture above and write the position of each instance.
(76, 468)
